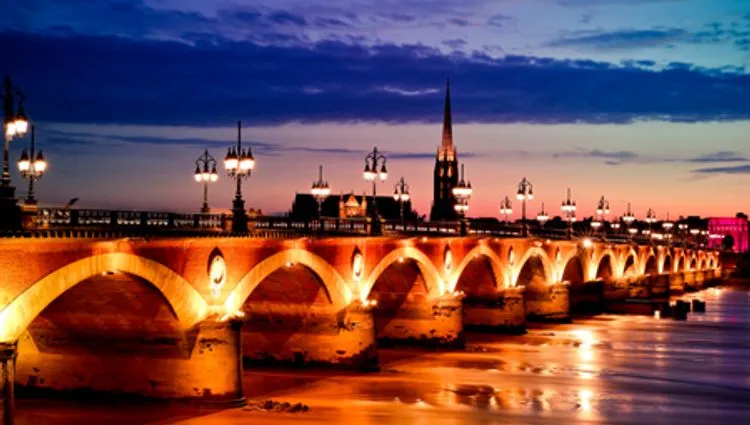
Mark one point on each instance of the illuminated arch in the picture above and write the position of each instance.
(433, 280)
(576, 262)
(335, 285)
(650, 266)
(187, 304)
(667, 265)
(549, 270)
(491, 256)
(624, 261)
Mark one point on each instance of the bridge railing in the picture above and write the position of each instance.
(146, 222)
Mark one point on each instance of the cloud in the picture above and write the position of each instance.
(286, 18)
(499, 20)
(459, 22)
(622, 39)
(738, 169)
(213, 81)
(456, 43)
(720, 156)
(610, 157)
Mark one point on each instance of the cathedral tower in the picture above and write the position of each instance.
(446, 168)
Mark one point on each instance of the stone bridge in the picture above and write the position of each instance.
(175, 317)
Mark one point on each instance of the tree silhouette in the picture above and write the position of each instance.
(728, 242)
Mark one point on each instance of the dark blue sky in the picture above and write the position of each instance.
(95, 72)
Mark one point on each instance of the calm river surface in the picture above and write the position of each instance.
(606, 369)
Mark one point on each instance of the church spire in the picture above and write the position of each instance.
(447, 118)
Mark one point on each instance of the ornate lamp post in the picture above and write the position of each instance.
(602, 209)
(542, 217)
(239, 164)
(650, 219)
(525, 193)
(682, 230)
(506, 208)
(667, 226)
(569, 209)
(462, 192)
(374, 170)
(205, 172)
(320, 191)
(15, 125)
(401, 195)
(629, 218)
(32, 166)
(695, 233)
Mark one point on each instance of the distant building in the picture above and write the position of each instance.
(735, 226)
(305, 207)
(446, 169)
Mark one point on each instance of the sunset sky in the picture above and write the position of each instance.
(646, 101)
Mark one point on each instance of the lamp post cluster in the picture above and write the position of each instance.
(569, 209)
(525, 193)
(462, 192)
(375, 170)
(16, 124)
(32, 166)
(602, 209)
(506, 208)
(320, 190)
(239, 164)
(401, 195)
(205, 172)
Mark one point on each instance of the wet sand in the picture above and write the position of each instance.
(604, 369)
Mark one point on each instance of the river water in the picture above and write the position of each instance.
(604, 369)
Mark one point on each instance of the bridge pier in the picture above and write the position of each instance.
(8, 362)
(309, 336)
(689, 281)
(551, 302)
(503, 313)
(431, 322)
(677, 283)
(204, 365)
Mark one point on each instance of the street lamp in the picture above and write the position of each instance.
(650, 218)
(32, 166)
(682, 228)
(602, 209)
(15, 125)
(462, 192)
(542, 217)
(239, 164)
(320, 191)
(569, 208)
(667, 226)
(401, 195)
(629, 218)
(506, 208)
(205, 172)
(525, 193)
(375, 161)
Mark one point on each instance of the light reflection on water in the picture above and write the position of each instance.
(622, 369)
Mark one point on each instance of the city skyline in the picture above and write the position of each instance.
(609, 102)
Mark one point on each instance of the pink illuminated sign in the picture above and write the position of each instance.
(737, 227)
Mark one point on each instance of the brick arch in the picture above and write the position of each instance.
(433, 281)
(336, 287)
(666, 263)
(574, 271)
(681, 263)
(624, 261)
(650, 266)
(606, 267)
(187, 304)
(549, 270)
(493, 259)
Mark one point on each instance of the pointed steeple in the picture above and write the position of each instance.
(447, 118)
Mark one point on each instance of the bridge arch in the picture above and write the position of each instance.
(534, 262)
(651, 267)
(605, 268)
(666, 263)
(482, 256)
(573, 272)
(187, 304)
(433, 281)
(339, 293)
(629, 266)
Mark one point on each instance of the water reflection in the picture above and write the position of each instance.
(626, 368)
